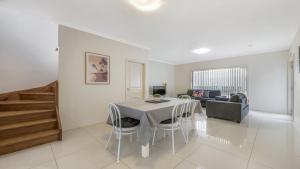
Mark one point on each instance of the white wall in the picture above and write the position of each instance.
(82, 104)
(160, 73)
(267, 78)
(294, 50)
(27, 51)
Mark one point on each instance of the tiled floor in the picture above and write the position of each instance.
(261, 141)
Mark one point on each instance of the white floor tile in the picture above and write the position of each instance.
(187, 165)
(261, 141)
(48, 165)
(158, 159)
(28, 158)
(73, 141)
(253, 165)
(99, 131)
(207, 157)
(116, 166)
(91, 157)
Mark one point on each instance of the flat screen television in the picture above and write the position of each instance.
(159, 90)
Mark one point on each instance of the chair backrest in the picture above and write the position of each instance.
(114, 114)
(193, 105)
(190, 106)
(177, 112)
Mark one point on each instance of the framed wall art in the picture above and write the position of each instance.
(97, 69)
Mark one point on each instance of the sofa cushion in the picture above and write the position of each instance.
(190, 92)
(243, 98)
(222, 98)
(197, 93)
(206, 99)
(205, 94)
(234, 98)
(214, 93)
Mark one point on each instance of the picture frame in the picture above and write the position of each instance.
(97, 69)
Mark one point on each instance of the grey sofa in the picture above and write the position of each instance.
(236, 109)
(208, 95)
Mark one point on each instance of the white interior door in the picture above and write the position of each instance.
(135, 80)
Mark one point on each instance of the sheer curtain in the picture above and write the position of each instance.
(228, 80)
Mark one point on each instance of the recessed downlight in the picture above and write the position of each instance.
(201, 51)
(146, 5)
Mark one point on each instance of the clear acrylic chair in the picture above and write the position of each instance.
(121, 126)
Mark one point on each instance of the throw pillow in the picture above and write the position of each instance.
(235, 98)
(206, 94)
(197, 93)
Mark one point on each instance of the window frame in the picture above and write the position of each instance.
(218, 68)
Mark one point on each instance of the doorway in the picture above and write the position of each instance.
(291, 87)
(135, 80)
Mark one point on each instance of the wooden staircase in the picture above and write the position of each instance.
(29, 118)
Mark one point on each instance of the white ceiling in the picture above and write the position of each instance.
(228, 27)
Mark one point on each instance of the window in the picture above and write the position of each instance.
(227, 80)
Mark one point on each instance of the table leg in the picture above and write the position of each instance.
(145, 150)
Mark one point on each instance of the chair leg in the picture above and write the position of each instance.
(164, 133)
(119, 147)
(182, 131)
(186, 130)
(173, 144)
(109, 139)
(154, 133)
(130, 138)
(138, 133)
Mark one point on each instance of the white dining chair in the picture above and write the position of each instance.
(188, 115)
(121, 126)
(173, 124)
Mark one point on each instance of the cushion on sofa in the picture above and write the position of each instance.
(222, 98)
(190, 92)
(205, 94)
(214, 93)
(197, 93)
(234, 98)
(206, 99)
(243, 98)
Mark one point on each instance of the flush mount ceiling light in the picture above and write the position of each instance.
(201, 51)
(146, 5)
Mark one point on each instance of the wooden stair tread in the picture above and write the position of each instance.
(28, 137)
(29, 117)
(26, 124)
(23, 112)
(23, 102)
(40, 93)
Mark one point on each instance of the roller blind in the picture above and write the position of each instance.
(227, 80)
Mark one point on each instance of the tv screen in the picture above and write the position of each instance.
(159, 90)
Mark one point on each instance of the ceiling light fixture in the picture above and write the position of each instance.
(146, 5)
(201, 51)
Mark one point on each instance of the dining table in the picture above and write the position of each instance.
(150, 115)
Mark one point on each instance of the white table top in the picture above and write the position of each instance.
(145, 106)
